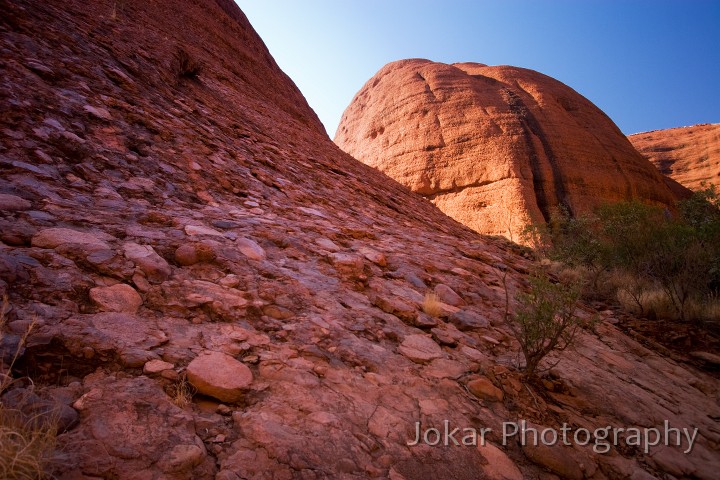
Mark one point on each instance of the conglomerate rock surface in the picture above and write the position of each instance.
(152, 217)
(494, 147)
(689, 155)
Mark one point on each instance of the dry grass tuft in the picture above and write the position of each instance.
(431, 305)
(181, 392)
(27, 443)
(651, 303)
(712, 308)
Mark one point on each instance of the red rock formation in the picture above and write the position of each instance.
(493, 147)
(689, 155)
(151, 218)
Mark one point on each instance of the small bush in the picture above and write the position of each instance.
(185, 66)
(545, 320)
(431, 305)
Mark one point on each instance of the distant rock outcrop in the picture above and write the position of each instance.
(493, 147)
(689, 155)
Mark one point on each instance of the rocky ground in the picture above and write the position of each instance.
(161, 227)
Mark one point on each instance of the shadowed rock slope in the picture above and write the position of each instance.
(493, 147)
(689, 155)
(164, 226)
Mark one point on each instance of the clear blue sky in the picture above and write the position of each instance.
(648, 64)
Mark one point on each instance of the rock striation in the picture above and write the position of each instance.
(494, 147)
(689, 155)
(170, 230)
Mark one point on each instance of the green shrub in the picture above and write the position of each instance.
(676, 254)
(545, 319)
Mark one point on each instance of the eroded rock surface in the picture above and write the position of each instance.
(244, 231)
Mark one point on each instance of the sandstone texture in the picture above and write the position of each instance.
(494, 147)
(689, 155)
(219, 201)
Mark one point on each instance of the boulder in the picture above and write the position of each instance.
(499, 466)
(448, 295)
(557, 458)
(186, 255)
(219, 376)
(156, 366)
(467, 320)
(395, 306)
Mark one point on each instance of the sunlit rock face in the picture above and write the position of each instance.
(493, 147)
(689, 155)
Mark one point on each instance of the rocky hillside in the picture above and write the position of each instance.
(689, 155)
(493, 147)
(176, 223)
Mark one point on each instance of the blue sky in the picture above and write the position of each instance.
(648, 64)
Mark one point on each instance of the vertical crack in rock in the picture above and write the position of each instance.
(439, 131)
(531, 128)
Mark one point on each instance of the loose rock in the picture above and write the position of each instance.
(220, 376)
(13, 203)
(251, 249)
(484, 389)
(116, 298)
(448, 295)
(420, 348)
(54, 237)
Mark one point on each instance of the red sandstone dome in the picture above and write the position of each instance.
(494, 147)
